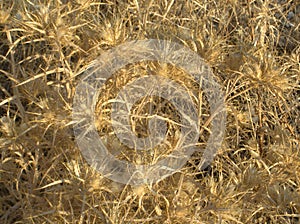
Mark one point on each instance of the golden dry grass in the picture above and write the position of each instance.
(254, 50)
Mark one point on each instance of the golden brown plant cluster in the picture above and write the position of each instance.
(253, 47)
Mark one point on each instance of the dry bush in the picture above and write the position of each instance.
(254, 50)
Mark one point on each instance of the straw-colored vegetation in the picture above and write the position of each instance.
(253, 47)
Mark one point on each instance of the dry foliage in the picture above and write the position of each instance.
(254, 49)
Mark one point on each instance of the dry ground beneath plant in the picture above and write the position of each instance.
(254, 50)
